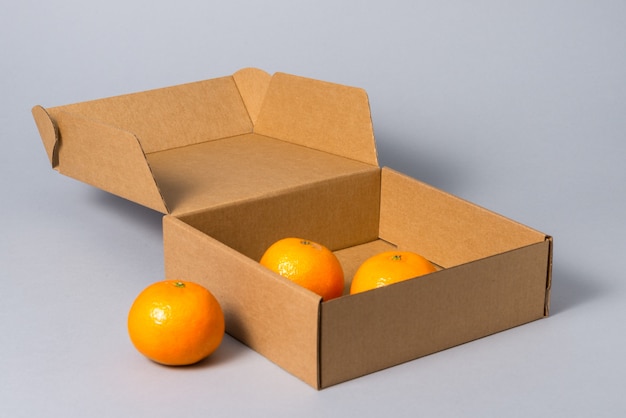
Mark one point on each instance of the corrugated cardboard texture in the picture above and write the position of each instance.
(549, 279)
(276, 317)
(446, 229)
(242, 167)
(370, 331)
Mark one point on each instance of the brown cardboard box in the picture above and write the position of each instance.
(238, 162)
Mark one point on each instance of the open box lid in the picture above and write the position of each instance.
(184, 148)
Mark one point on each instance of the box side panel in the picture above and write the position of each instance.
(272, 315)
(445, 229)
(338, 213)
(173, 116)
(370, 331)
(107, 158)
(325, 116)
(243, 167)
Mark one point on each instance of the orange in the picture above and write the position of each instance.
(175, 322)
(387, 268)
(307, 263)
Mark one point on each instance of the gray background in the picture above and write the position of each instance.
(516, 106)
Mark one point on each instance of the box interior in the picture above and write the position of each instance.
(494, 272)
(365, 212)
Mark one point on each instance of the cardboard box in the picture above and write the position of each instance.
(236, 163)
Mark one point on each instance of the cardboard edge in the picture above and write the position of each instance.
(318, 348)
(103, 155)
(49, 133)
(252, 84)
(546, 309)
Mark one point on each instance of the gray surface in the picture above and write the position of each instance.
(518, 108)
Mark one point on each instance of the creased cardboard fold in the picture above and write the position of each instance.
(48, 132)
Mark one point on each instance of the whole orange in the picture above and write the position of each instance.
(387, 268)
(307, 263)
(175, 322)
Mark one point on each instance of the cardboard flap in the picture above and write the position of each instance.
(169, 148)
(106, 157)
(317, 114)
(172, 117)
(48, 132)
(252, 84)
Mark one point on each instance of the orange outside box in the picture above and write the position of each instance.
(238, 162)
